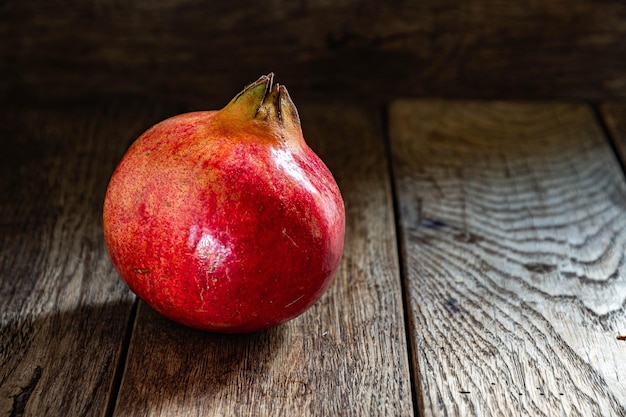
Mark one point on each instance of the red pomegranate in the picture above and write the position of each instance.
(226, 220)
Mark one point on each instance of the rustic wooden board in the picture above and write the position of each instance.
(513, 219)
(353, 48)
(63, 311)
(346, 356)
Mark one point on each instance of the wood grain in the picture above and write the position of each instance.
(63, 310)
(513, 231)
(345, 356)
(193, 49)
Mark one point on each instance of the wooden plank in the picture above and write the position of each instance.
(63, 311)
(352, 48)
(513, 231)
(346, 356)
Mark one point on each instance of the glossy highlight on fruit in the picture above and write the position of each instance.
(226, 220)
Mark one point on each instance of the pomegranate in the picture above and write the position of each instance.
(226, 220)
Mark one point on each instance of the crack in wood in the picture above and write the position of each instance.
(21, 399)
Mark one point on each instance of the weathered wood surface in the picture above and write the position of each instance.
(63, 311)
(513, 219)
(353, 48)
(512, 229)
(346, 356)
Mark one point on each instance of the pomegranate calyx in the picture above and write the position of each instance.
(267, 103)
(250, 99)
(278, 107)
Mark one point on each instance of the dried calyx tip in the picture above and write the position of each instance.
(277, 103)
(269, 81)
(265, 101)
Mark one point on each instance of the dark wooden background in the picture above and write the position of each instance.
(370, 50)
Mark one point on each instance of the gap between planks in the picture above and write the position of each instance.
(409, 324)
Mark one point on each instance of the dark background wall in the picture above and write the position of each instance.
(371, 50)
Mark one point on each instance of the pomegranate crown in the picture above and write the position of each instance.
(268, 102)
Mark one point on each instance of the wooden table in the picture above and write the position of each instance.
(484, 272)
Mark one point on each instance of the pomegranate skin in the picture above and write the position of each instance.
(226, 220)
